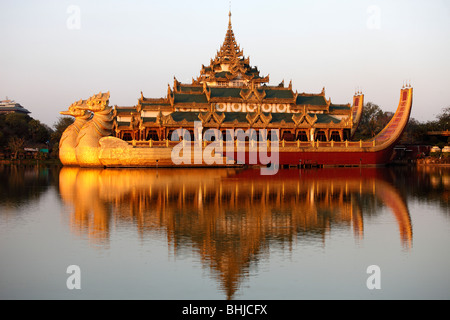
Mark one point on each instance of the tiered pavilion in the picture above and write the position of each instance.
(231, 94)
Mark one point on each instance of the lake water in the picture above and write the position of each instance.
(225, 233)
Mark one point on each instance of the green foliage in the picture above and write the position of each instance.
(419, 131)
(18, 131)
(416, 133)
(373, 120)
(16, 145)
(443, 119)
(39, 133)
(60, 126)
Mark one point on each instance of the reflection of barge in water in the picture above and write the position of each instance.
(228, 95)
(231, 217)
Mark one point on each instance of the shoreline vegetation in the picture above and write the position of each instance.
(32, 162)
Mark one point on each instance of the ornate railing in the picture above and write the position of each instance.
(281, 144)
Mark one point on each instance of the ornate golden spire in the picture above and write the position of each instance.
(230, 64)
(229, 49)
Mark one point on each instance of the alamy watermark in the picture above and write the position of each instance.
(235, 149)
(73, 21)
(374, 19)
(74, 280)
(374, 280)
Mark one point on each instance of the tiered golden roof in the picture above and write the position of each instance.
(235, 90)
(230, 65)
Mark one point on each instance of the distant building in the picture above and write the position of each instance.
(10, 106)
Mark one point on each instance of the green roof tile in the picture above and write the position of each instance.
(278, 117)
(190, 98)
(184, 89)
(279, 94)
(232, 116)
(225, 92)
(339, 107)
(324, 118)
(311, 100)
(181, 115)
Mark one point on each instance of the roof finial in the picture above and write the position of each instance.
(229, 12)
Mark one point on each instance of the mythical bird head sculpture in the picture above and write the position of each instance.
(97, 103)
(76, 109)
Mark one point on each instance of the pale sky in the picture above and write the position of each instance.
(54, 53)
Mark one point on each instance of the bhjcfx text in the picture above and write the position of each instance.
(231, 309)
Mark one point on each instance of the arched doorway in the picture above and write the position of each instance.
(335, 136)
(127, 136)
(153, 135)
(302, 136)
(288, 136)
(321, 136)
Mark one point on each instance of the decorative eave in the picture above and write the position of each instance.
(237, 68)
(304, 117)
(169, 121)
(211, 119)
(253, 90)
(258, 119)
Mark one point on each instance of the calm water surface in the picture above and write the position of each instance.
(224, 233)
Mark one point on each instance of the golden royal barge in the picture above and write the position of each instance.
(228, 96)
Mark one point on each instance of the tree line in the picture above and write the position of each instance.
(374, 119)
(19, 131)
